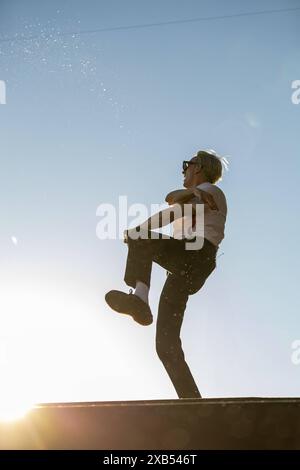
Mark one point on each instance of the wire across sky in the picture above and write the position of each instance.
(149, 25)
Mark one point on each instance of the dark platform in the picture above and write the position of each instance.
(231, 423)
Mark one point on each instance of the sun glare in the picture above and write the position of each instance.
(50, 340)
(13, 411)
(14, 399)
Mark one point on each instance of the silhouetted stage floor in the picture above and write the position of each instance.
(223, 423)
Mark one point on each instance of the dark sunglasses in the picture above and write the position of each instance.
(186, 163)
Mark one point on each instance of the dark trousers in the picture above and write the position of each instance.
(187, 272)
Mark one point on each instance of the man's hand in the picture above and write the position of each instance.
(207, 198)
(128, 232)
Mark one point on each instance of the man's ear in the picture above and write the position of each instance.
(199, 168)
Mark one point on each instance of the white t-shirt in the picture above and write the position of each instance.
(214, 220)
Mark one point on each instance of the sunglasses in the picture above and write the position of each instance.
(186, 163)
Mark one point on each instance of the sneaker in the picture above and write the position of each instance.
(130, 304)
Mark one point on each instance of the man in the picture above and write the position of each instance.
(187, 269)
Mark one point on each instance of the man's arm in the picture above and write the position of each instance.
(182, 196)
(162, 218)
(158, 220)
(179, 196)
(176, 199)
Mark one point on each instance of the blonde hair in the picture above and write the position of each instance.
(212, 164)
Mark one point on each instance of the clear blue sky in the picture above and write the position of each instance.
(93, 116)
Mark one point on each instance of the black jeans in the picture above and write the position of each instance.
(187, 272)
